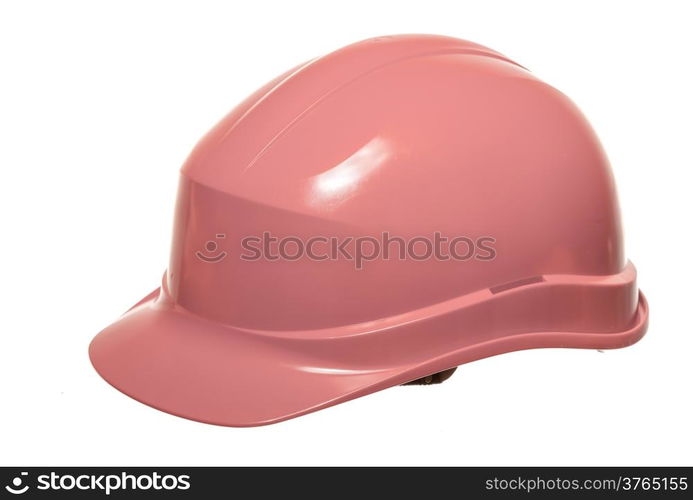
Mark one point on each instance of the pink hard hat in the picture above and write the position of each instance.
(377, 216)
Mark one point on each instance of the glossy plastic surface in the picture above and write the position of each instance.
(408, 135)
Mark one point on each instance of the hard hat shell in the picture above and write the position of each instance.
(404, 135)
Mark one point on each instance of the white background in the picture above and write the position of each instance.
(100, 103)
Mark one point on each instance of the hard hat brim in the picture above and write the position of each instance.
(183, 364)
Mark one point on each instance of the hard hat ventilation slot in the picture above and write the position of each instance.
(516, 284)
